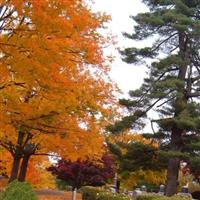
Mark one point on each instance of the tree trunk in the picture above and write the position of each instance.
(15, 168)
(176, 134)
(17, 156)
(174, 162)
(23, 169)
(29, 149)
(172, 176)
(74, 193)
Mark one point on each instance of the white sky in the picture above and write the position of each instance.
(128, 77)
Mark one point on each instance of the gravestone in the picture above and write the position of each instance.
(162, 189)
(143, 188)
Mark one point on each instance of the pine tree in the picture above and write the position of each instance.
(172, 87)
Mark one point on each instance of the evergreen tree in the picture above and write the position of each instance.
(172, 87)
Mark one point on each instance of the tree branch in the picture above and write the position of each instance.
(194, 94)
(162, 42)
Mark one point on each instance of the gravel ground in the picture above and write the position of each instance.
(55, 195)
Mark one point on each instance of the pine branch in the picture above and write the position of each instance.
(194, 94)
(165, 40)
(168, 100)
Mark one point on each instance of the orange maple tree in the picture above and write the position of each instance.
(55, 93)
(36, 174)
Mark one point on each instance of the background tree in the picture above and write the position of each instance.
(55, 93)
(172, 85)
(134, 152)
(85, 172)
(150, 178)
(138, 160)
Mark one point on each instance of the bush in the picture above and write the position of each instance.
(110, 196)
(90, 193)
(63, 185)
(149, 186)
(19, 191)
(158, 197)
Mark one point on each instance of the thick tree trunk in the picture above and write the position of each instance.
(174, 162)
(23, 169)
(172, 176)
(15, 168)
(29, 149)
(179, 106)
(17, 156)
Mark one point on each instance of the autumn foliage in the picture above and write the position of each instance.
(55, 93)
(85, 172)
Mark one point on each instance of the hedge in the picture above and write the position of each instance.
(159, 197)
(91, 193)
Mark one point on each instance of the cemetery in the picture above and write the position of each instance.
(69, 130)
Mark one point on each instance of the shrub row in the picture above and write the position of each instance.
(158, 197)
(90, 193)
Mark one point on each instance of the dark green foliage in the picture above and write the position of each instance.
(90, 193)
(63, 185)
(136, 155)
(140, 156)
(19, 191)
(60, 184)
(172, 88)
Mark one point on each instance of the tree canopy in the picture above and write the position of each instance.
(55, 92)
(85, 172)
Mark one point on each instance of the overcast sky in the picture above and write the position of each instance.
(127, 76)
